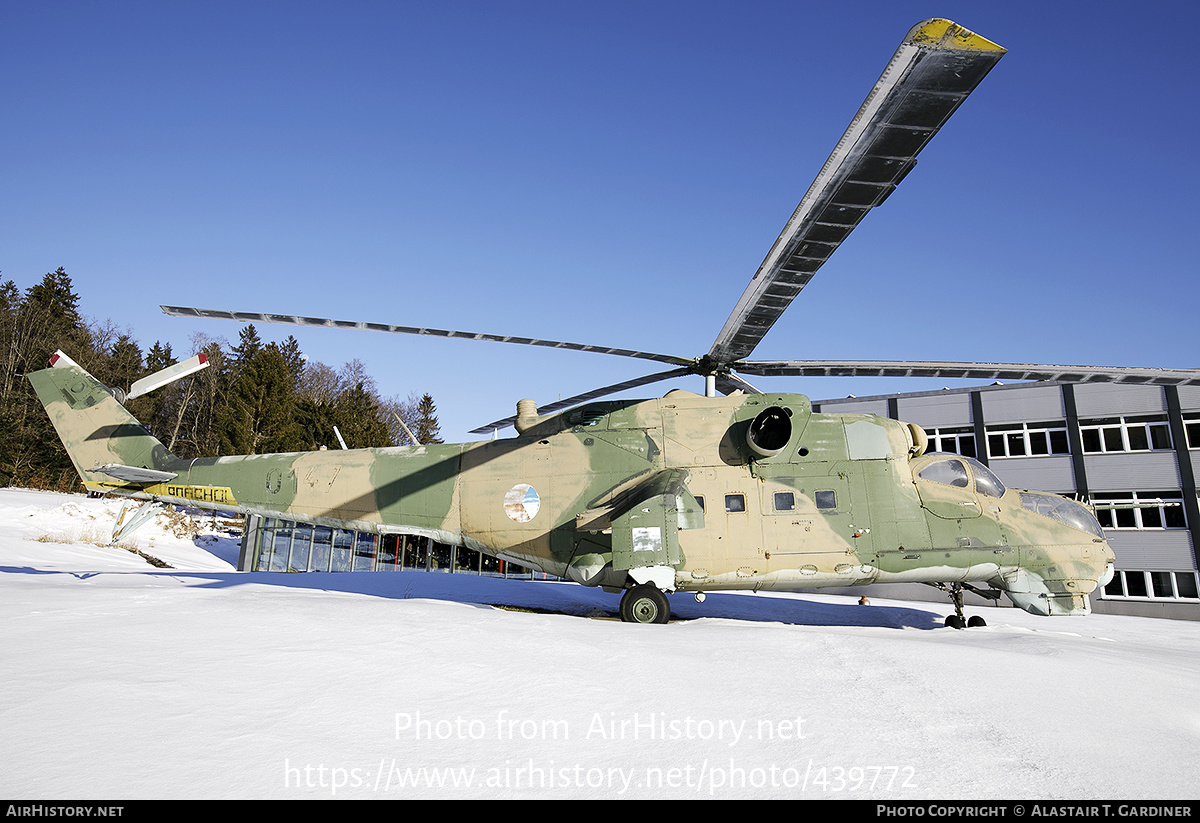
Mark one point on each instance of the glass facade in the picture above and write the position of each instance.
(1160, 585)
(281, 546)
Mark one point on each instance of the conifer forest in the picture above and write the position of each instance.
(255, 397)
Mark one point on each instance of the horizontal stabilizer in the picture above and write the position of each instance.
(135, 474)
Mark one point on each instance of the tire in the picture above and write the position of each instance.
(976, 621)
(954, 622)
(645, 604)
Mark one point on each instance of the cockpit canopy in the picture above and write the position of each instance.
(951, 470)
(967, 473)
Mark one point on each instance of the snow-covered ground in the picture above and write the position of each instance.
(121, 680)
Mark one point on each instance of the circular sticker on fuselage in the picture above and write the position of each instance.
(521, 503)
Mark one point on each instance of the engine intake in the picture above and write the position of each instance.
(770, 431)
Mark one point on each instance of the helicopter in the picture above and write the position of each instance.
(732, 489)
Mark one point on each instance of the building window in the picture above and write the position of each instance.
(1141, 585)
(952, 441)
(1191, 425)
(1027, 439)
(1125, 434)
(1141, 511)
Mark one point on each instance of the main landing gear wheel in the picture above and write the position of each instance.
(645, 604)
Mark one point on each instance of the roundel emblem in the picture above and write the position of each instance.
(522, 503)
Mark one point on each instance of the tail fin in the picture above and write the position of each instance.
(111, 450)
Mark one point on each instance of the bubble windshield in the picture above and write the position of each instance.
(1063, 510)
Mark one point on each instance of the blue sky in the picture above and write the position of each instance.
(600, 173)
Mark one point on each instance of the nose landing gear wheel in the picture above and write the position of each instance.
(645, 604)
(958, 620)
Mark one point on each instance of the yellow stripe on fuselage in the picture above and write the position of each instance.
(212, 495)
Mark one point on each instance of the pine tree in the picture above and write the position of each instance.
(427, 429)
(316, 420)
(358, 419)
(45, 318)
(123, 364)
(259, 416)
(290, 350)
(249, 344)
(55, 297)
(159, 357)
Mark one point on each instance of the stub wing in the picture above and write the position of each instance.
(135, 474)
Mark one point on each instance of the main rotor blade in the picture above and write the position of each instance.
(933, 71)
(255, 317)
(586, 396)
(970, 371)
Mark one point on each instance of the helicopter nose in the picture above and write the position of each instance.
(1110, 571)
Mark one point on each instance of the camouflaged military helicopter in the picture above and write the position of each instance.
(730, 490)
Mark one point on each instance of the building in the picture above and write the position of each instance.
(1130, 450)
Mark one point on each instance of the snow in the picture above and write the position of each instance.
(122, 680)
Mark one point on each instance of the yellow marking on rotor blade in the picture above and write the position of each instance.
(945, 34)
